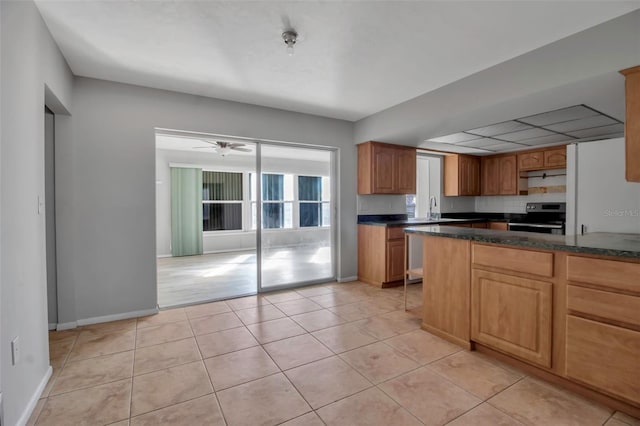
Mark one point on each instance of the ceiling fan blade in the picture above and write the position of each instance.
(214, 143)
(235, 144)
(241, 149)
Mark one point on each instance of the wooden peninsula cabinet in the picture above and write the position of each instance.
(570, 317)
(632, 123)
(386, 169)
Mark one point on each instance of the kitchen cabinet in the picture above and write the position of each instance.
(381, 255)
(603, 325)
(499, 175)
(544, 159)
(386, 169)
(632, 123)
(555, 158)
(461, 175)
(445, 288)
(512, 314)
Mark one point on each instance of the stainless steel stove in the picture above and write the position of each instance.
(545, 218)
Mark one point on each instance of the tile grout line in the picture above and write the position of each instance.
(135, 350)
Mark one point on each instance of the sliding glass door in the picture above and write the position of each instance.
(296, 242)
(235, 217)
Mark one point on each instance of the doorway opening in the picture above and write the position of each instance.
(50, 217)
(235, 217)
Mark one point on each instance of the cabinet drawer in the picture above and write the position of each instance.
(395, 232)
(613, 274)
(525, 261)
(604, 304)
(604, 356)
(531, 161)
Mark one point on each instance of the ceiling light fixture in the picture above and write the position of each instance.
(290, 37)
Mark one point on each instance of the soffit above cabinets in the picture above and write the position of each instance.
(577, 123)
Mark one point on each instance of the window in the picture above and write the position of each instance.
(277, 201)
(221, 201)
(313, 197)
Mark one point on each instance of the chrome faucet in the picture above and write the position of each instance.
(432, 203)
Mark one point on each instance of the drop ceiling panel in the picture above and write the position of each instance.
(572, 113)
(504, 146)
(480, 143)
(452, 148)
(547, 139)
(598, 131)
(585, 123)
(525, 134)
(500, 128)
(454, 138)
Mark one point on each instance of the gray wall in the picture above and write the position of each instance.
(106, 186)
(30, 60)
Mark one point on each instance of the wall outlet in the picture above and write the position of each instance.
(15, 350)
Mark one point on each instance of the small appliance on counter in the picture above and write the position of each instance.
(544, 218)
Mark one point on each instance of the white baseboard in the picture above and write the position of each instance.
(161, 256)
(53, 326)
(116, 317)
(24, 418)
(66, 325)
(347, 279)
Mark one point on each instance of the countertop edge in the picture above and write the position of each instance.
(511, 238)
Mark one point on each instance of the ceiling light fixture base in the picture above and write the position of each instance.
(290, 37)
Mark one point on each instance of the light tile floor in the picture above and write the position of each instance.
(335, 354)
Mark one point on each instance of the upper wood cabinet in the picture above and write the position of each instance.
(552, 158)
(461, 175)
(632, 123)
(555, 158)
(386, 169)
(499, 175)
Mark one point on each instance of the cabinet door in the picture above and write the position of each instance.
(490, 176)
(604, 356)
(383, 170)
(502, 226)
(395, 260)
(469, 176)
(508, 175)
(405, 171)
(555, 158)
(531, 161)
(513, 315)
(632, 123)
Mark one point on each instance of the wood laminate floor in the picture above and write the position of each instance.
(191, 279)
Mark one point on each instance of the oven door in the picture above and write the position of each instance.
(541, 228)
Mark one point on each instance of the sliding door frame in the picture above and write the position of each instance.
(334, 155)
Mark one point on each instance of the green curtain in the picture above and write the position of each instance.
(186, 211)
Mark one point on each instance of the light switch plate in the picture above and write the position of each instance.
(15, 350)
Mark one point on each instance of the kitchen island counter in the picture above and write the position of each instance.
(597, 243)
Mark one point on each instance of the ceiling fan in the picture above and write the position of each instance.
(223, 148)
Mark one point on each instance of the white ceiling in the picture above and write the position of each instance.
(353, 59)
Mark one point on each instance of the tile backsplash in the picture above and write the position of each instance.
(382, 204)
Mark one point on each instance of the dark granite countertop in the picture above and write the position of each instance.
(420, 221)
(599, 243)
(402, 220)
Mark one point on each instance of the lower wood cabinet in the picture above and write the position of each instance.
(604, 356)
(395, 260)
(513, 315)
(381, 255)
